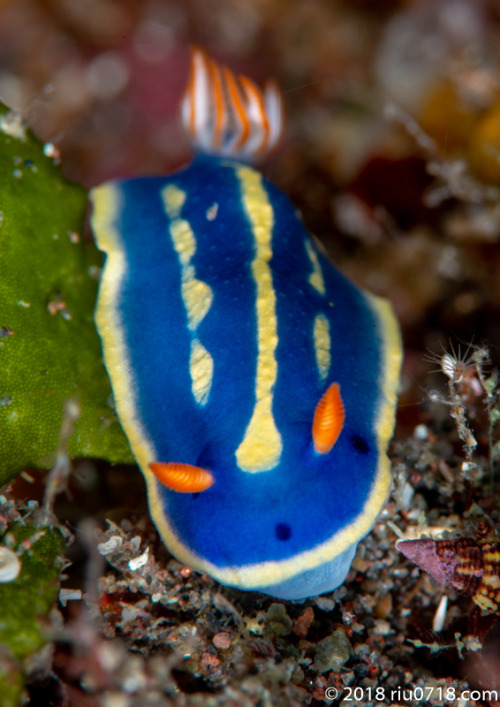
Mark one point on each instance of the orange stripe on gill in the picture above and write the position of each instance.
(184, 478)
(254, 95)
(328, 420)
(219, 104)
(236, 103)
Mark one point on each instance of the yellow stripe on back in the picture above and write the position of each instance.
(201, 368)
(196, 294)
(316, 277)
(322, 344)
(260, 449)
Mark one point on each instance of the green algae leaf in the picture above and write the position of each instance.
(27, 602)
(49, 349)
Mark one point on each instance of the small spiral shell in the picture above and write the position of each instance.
(470, 566)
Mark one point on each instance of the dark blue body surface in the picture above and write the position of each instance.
(278, 324)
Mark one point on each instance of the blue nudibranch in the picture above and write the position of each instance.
(257, 386)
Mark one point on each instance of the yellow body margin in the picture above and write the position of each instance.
(107, 204)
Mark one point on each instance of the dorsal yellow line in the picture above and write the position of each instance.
(201, 367)
(316, 277)
(196, 294)
(260, 449)
(322, 344)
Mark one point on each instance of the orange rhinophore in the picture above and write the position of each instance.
(328, 420)
(184, 478)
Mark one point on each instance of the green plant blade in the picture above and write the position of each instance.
(49, 349)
